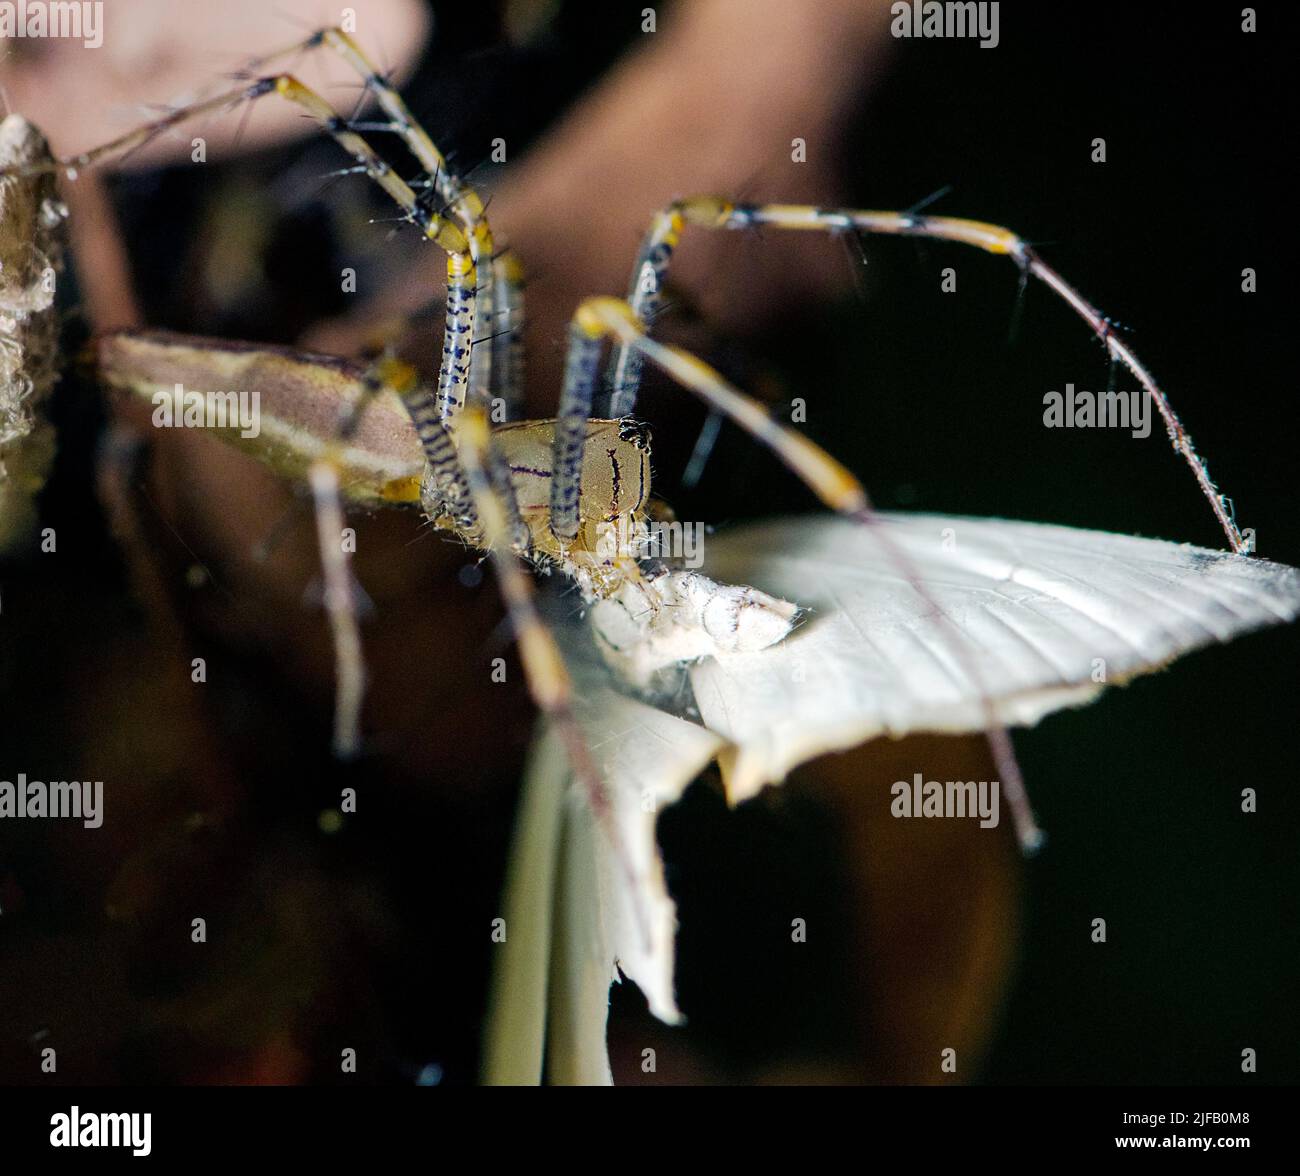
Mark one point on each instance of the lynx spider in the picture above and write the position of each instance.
(541, 491)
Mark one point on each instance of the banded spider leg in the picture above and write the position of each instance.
(644, 299)
(477, 496)
(428, 413)
(464, 239)
(662, 238)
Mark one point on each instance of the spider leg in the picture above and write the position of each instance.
(709, 212)
(431, 416)
(449, 491)
(444, 231)
(323, 477)
(549, 683)
(340, 606)
(645, 296)
(586, 338)
(445, 488)
(597, 318)
(317, 424)
(500, 291)
(508, 333)
(462, 201)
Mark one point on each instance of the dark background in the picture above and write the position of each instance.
(922, 394)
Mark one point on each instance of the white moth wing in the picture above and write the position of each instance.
(648, 758)
(576, 918)
(1049, 616)
(1038, 605)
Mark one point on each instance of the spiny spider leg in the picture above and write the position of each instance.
(446, 477)
(349, 663)
(600, 318)
(549, 683)
(710, 212)
(499, 289)
(581, 366)
(500, 277)
(444, 231)
(450, 491)
(431, 417)
(597, 319)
